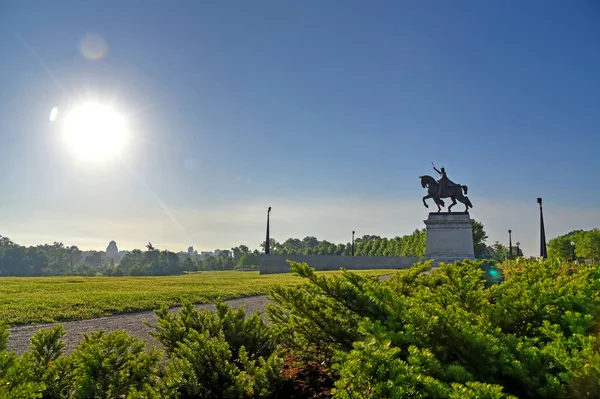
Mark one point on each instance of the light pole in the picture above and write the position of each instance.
(353, 242)
(510, 244)
(268, 243)
(518, 250)
(573, 251)
(543, 251)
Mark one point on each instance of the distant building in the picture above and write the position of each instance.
(112, 252)
(190, 251)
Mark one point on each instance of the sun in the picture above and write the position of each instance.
(95, 131)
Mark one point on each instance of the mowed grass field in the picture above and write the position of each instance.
(30, 300)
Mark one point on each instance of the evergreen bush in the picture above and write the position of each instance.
(450, 333)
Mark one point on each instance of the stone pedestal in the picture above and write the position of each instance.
(449, 237)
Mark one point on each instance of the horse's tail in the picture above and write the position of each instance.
(469, 202)
(466, 189)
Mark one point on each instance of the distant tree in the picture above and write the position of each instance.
(137, 270)
(496, 252)
(367, 237)
(347, 249)
(38, 261)
(58, 259)
(274, 246)
(245, 260)
(292, 245)
(5, 243)
(94, 259)
(210, 262)
(14, 262)
(225, 253)
(152, 262)
(129, 261)
(238, 252)
(479, 238)
(323, 248)
(225, 260)
(151, 256)
(560, 247)
(74, 256)
(171, 263)
(588, 246)
(309, 242)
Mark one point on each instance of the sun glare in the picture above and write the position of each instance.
(95, 131)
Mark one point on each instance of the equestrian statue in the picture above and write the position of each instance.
(444, 188)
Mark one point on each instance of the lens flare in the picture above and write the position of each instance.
(93, 47)
(53, 114)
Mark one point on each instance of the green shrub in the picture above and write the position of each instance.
(17, 378)
(322, 317)
(220, 354)
(266, 378)
(203, 368)
(237, 329)
(49, 368)
(374, 369)
(114, 365)
(450, 333)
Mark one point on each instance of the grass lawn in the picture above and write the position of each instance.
(27, 300)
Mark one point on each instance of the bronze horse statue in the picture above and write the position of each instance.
(454, 192)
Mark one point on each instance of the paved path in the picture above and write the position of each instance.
(132, 322)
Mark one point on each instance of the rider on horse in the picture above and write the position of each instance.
(444, 182)
(444, 188)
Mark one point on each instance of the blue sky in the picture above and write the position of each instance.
(326, 110)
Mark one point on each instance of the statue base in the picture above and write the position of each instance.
(449, 237)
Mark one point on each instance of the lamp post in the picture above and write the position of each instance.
(510, 244)
(353, 242)
(543, 251)
(518, 250)
(573, 251)
(268, 243)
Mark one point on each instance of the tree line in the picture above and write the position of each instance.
(58, 259)
(41, 260)
(154, 262)
(372, 245)
(367, 245)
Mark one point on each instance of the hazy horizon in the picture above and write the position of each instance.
(335, 219)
